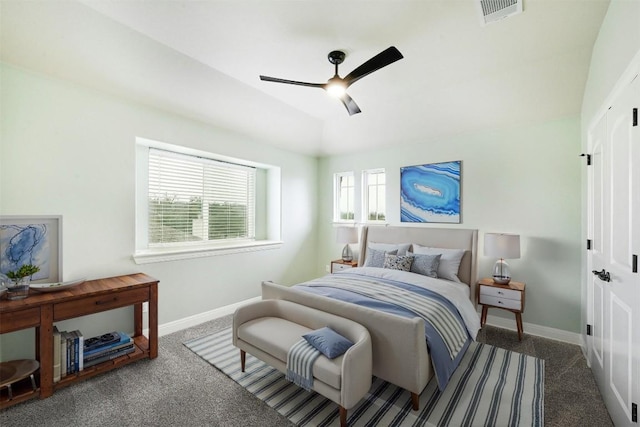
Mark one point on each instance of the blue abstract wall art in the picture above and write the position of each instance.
(430, 193)
(22, 244)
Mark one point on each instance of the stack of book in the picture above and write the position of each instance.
(67, 353)
(72, 353)
(106, 347)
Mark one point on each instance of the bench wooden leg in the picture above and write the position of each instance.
(415, 401)
(243, 357)
(343, 417)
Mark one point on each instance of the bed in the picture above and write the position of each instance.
(400, 352)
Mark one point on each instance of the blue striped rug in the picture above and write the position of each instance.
(491, 387)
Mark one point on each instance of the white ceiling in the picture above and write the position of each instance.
(202, 59)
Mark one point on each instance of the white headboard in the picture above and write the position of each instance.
(450, 238)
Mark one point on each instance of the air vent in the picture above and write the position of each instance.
(495, 10)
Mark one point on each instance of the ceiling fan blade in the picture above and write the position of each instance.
(291, 82)
(384, 58)
(351, 105)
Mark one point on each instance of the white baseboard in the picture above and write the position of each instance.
(537, 330)
(187, 322)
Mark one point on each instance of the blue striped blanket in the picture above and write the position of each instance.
(446, 334)
(300, 359)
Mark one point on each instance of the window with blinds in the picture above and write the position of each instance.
(197, 200)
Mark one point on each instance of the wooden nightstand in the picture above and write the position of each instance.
(339, 265)
(508, 297)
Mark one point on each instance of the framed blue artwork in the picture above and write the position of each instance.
(35, 240)
(430, 193)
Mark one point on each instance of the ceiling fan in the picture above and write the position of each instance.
(336, 86)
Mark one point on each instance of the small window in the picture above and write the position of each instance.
(344, 192)
(191, 203)
(373, 195)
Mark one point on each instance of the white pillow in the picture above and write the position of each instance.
(402, 248)
(449, 261)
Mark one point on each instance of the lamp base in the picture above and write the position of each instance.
(501, 272)
(347, 254)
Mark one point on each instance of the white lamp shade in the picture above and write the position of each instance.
(502, 245)
(346, 235)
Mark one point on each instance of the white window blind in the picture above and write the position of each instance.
(199, 200)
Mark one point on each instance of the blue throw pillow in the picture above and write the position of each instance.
(328, 342)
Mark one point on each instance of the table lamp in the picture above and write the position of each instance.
(347, 235)
(502, 246)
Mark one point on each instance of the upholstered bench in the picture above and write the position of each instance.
(267, 329)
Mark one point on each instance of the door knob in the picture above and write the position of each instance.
(602, 275)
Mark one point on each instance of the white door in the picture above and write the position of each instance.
(614, 291)
(596, 294)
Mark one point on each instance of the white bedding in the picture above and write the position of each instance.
(456, 293)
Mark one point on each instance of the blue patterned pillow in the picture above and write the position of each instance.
(375, 258)
(398, 262)
(427, 265)
(328, 342)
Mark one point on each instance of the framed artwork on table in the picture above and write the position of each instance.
(32, 239)
(430, 193)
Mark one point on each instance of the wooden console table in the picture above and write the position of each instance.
(41, 310)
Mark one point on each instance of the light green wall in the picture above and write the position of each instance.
(69, 151)
(523, 180)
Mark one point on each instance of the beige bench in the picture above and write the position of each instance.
(267, 329)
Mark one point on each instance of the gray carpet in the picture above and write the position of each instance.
(180, 389)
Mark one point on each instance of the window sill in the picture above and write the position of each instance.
(174, 254)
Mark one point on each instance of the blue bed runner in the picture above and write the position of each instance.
(446, 334)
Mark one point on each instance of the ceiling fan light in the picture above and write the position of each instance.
(336, 89)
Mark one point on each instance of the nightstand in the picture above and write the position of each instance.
(339, 265)
(507, 297)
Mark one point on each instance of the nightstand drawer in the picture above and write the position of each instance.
(500, 293)
(511, 304)
(338, 267)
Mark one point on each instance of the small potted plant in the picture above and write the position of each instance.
(18, 285)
